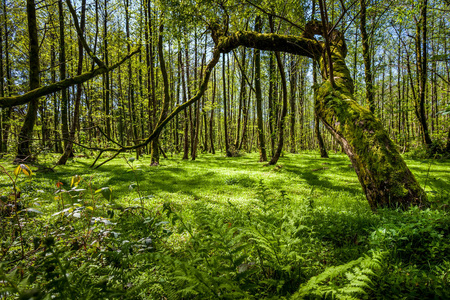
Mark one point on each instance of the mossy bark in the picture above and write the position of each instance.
(382, 172)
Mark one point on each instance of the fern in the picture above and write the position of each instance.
(352, 280)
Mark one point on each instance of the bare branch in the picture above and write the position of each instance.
(55, 87)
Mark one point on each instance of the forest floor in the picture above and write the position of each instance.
(229, 228)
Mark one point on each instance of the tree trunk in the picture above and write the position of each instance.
(211, 119)
(62, 75)
(166, 100)
(323, 150)
(293, 86)
(258, 96)
(26, 133)
(106, 85)
(277, 153)
(421, 53)
(384, 176)
(69, 147)
(367, 58)
(225, 109)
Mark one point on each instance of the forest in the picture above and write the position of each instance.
(224, 149)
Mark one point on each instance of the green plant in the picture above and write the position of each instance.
(353, 280)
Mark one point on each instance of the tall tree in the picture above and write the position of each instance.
(422, 64)
(26, 132)
(225, 109)
(258, 96)
(281, 121)
(76, 112)
(166, 99)
(384, 176)
(62, 75)
(367, 57)
(293, 91)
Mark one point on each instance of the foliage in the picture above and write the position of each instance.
(242, 238)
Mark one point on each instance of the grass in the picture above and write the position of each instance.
(216, 179)
(233, 228)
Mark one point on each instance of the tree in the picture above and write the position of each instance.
(258, 96)
(26, 133)
(69, 143)
(384, 176)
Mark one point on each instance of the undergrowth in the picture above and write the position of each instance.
(85, 243)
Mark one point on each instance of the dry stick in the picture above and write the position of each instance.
(178, 109)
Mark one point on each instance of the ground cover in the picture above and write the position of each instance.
(219, 228)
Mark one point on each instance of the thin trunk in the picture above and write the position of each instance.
(293, 86)
(367, 57)
(277, 153)
(186, 118)
(421, 52)
(68, 151)
(225, 109)
(211, 119)
(62, 75)
(258, 96)
(165, 106)
(106, 86)
(6, 112)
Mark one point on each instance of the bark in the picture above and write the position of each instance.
(5, 85)
(384, 176)
(26, 132)
(421, 53)
(186, 119)
(323, 150)
(11, 101)
(68, 151)
(165, 107)
(258, 96)
(277, 153)
(242, 100)
(293, 86)
(211, 119)
(225, 110)
(62, 75)
(106, 85)
(367, 58)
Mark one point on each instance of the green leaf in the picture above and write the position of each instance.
(106, 192)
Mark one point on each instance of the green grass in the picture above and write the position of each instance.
(216, 179)
(229, 228)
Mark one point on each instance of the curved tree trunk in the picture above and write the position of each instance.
(166, 100)
(384, 176)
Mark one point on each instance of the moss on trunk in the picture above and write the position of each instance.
(382, 172)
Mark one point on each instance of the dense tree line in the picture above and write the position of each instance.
(99, 92)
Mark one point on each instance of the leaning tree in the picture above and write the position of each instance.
(382, 172)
